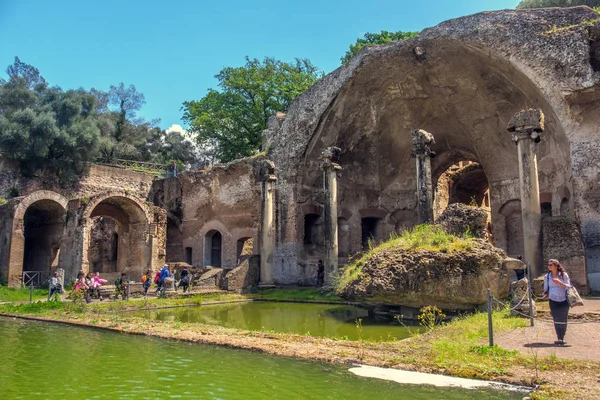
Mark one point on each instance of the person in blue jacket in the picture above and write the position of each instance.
(164, 273)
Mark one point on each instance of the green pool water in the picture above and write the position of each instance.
(323, 320)
(52, 361)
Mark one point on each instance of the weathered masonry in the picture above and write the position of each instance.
(340, 171)
(91, 227)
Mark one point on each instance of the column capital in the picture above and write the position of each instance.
(330, 157)
(422, 140)
(527, 124)
(267, 171)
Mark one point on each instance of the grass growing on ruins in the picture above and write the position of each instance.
(7, 294)
(428, 237)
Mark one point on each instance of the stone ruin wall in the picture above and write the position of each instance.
(551, 51)
(96, 179)
(73, 245)
(224, 199)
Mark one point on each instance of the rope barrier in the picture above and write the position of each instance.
(513, 309)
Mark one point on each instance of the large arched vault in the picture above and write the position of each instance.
(462, 81)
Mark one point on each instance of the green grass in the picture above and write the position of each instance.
(8, 294)
(427, 237)
(296, 295)
(461, 346)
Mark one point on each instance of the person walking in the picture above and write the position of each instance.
(556, 283)
(147, 281)
(185, 279)
(55, 287)
(164, 273)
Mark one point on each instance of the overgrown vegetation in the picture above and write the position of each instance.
(422, 237)
(46, 128)
(371, 39)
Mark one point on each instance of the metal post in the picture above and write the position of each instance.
(489, 310)
(530, 288)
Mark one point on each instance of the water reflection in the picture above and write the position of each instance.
(337, 321)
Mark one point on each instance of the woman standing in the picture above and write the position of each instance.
(556, 283)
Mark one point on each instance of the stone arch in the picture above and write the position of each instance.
(563, 202)
(462, 93)
(245, 234)
(213, 248)
(121, 206)
(132, 221)
(463, 181)
(37, 232)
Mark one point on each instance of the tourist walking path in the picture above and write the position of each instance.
(583, 334)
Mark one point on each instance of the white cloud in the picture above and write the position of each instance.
(177, 128)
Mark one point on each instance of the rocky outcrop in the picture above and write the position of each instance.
(459, 219)
(451, 281)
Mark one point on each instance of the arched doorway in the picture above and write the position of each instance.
(213, 248)
(118, 237)
(43, 223)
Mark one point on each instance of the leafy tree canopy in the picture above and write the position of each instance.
(370, 39)
(231, 119)
(557, 3)
(46, 128)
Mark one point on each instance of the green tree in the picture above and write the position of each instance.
(557, 3)
(232, 119)
(61, 131)
(52, 130)
(370, 39)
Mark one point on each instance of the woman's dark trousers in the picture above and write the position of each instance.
(560, 313)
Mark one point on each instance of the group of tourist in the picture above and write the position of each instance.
(88, 285)
(161, 276)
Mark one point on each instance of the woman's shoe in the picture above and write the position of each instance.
(557, 342)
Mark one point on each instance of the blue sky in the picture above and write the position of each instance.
(171, 50)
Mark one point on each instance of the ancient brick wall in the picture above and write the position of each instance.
(224, 200)
(96, 179)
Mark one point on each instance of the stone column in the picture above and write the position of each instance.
(526, 127)
(329, 159)
(422, 141)
(267, 225)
